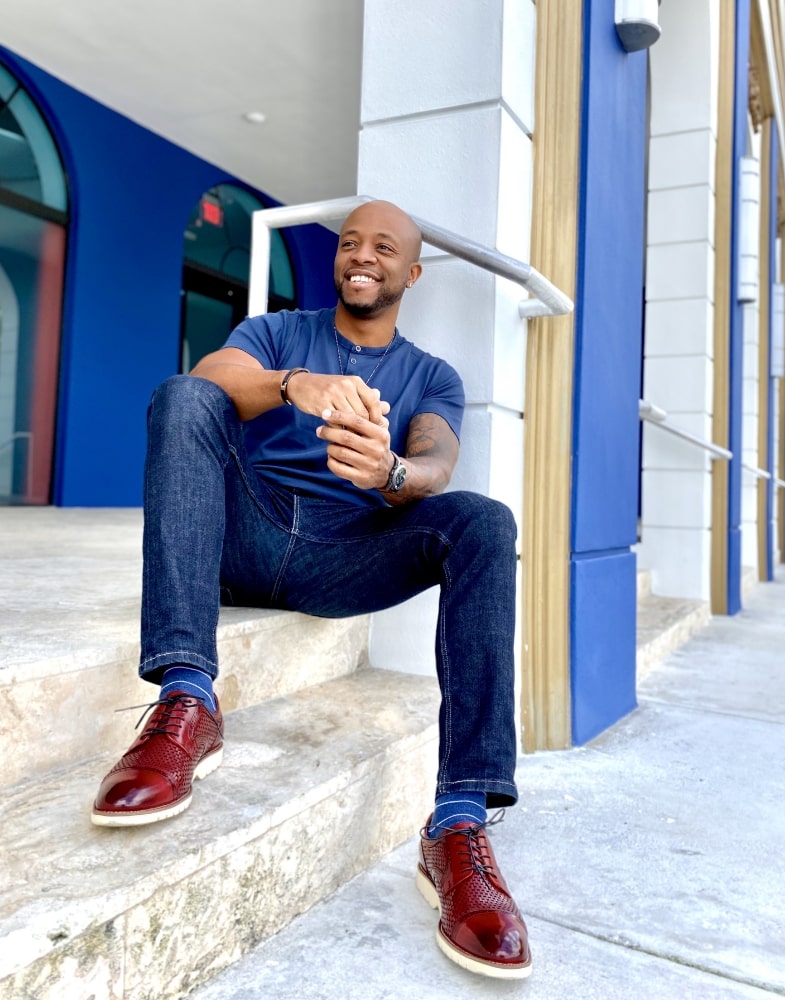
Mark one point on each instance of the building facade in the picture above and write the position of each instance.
(645, 184)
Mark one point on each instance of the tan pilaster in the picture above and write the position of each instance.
(722, 300)
(545, 657)
(764, 339)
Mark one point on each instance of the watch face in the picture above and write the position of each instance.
(398, 478)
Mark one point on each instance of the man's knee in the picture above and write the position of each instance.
(184, 397)
(482, 515)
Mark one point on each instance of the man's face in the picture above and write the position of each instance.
(376, 258)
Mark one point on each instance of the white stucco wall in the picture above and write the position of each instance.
(678, 363)
(447, 117)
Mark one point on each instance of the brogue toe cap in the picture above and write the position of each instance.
(495, 937)
(133, 789)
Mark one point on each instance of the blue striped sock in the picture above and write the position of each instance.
(191, 681)
(457, 807)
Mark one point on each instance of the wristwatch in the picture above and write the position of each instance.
(397, 476)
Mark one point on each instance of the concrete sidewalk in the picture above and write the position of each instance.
(649, 864)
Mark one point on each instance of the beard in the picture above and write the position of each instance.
(386, 297)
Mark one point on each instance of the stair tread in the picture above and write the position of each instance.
(663, 624)
(656, 613)
(63, 875)
(70, 596)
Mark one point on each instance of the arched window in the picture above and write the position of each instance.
(33, 222)
(217, 257)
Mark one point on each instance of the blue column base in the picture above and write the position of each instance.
(602, 641)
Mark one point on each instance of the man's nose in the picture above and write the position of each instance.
(364, 252)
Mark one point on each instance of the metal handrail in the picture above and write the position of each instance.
(547, 299)
(755, 471)
(657, 416)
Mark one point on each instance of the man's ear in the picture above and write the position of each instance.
(414, 273)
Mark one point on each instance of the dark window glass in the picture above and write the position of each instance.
(215, 273)
(32, 256)
(33, 204)
(30, 165)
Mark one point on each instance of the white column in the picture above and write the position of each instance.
(678, 362)
(447, 105)
(748, 292)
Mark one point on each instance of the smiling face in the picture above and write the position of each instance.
(377, 256)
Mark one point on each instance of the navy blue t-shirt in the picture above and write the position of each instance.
(282, 443)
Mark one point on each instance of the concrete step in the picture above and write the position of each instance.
(664, 624)
(70, 583)
(643, 578)
(315, 786)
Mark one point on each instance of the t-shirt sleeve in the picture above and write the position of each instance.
(263, 337)
(444, 396)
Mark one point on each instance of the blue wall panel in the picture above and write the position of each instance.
(608, 325)
(737, 313)
(771, 466)
(609, 311)
(603, 591)
(132, 193)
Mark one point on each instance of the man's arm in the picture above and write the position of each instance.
(254, 389)
(360, 452)
(431, 454)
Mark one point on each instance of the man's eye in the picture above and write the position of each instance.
(383, 246)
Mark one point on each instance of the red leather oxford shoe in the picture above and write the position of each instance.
(181, 740)
(480, 927)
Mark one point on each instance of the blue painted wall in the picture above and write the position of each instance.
(131, 195)
(737, 313)
(608, 329)
(771, 464)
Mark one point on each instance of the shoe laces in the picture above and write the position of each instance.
(168, 714)
(474, 851)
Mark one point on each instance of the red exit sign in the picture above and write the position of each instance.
(212, 213)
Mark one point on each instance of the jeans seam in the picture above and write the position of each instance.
(249, 489)
(289, 548)
(446, 695)
(176, 652)
(415, 530)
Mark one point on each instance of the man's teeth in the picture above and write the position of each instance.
(361, 279)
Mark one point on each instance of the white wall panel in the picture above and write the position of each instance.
(679, 559)
(677, 499)
(685, 62)
(679, 385)
(678, 364)
(677, 327)
(680, 271)
(662, 450)
(452, 55)
(683, 159)
(680, 215)
(518, 59)
(444, 168)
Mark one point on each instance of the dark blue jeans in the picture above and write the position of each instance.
(211, 522)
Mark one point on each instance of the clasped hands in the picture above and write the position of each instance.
(355, 425)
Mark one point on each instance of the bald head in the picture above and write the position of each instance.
(387, 219)
(376, 261)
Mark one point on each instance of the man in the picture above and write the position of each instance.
(302, 466)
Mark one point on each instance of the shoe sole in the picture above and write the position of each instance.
(142, 817)
(468, 962)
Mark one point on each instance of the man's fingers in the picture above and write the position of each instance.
(349, 419)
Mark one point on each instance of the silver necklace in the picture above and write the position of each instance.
(378, 363)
